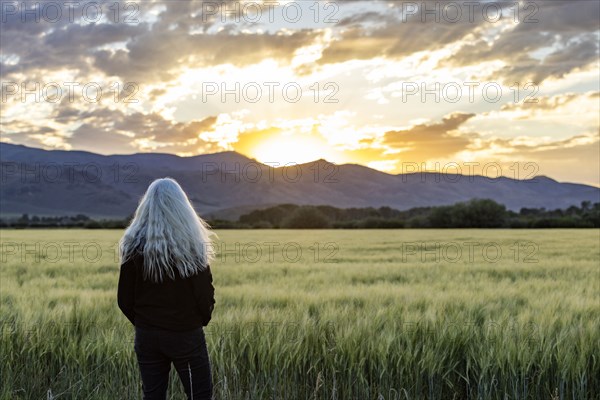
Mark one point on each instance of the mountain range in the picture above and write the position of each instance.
(227, 184)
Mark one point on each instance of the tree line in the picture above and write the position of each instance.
(477, 213)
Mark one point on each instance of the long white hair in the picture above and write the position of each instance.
(169, 233)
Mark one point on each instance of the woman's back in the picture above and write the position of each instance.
(174, 304)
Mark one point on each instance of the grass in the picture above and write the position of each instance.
(390, 314)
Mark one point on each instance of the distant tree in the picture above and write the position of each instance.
(485, 213)
(593, 215)
(262, 225)
(333, 213)
(442, 217)
(529, 211)
(273, 215)
(92, 225)
(386, 212)
(573, 210)
(585, 205)
(419, 221)
(477, 213)
(306, 217)
(382, 223)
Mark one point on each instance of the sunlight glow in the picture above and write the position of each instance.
(287, 149)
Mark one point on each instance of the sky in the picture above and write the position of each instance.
(493, 88)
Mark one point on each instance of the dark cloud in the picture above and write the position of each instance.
(155, 127)
(158, 56)
(571, 27)
(151, 126)
(42, 43)
(561, 16)
(92, 137)
(568, 27)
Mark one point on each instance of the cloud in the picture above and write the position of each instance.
(554, 158)
(443, 142)
(566, 34)
(172, 36)
(392, 38)
(43, 45)
(95, 138)
(154, 126)
(550, 103)
(160, 56)
(559, 114)
(430, 141)
(108, 131)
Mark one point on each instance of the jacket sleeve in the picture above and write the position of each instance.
(204, 294)
(126, 289)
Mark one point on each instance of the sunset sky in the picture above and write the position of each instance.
(348, 81)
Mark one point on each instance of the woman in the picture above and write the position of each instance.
(165, 290)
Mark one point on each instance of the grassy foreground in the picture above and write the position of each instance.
(391, 314)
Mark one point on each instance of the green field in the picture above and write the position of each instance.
(377, 314)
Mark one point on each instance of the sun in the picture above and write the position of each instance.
(284, 150)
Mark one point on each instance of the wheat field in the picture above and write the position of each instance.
(322, 314)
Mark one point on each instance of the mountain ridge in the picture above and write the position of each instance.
(111, 185)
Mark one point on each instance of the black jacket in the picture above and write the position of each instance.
(176, 305)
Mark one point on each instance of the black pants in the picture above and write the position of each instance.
(156, 349)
